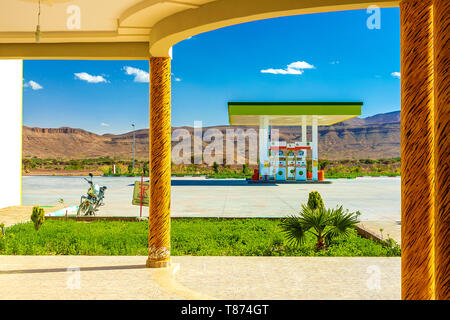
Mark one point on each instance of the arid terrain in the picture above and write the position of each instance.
(359, 138)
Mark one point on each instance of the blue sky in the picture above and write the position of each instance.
(332, 57)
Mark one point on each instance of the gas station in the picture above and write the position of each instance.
(286, 160)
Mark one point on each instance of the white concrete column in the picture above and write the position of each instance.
(315, 151)
(263, 144)
(275, 141)
(304, 129)
(11, 132)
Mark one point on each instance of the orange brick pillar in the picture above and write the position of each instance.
(160, 149)
(441, 32)
(417, 149)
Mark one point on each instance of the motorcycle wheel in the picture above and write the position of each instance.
(84, 208)
(96, 206)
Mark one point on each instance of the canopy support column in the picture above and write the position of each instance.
(417, 149)
(160, 166)
(315, 149)
(304, 127)
(263, 145)
(441, 23)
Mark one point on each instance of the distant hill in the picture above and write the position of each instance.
(373, 137)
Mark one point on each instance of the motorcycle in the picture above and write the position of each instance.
(90, 204)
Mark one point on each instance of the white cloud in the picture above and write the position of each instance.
(282, 71)
(139, 75)
(103, 124)
(89, 78)
(335, 62)
(34, 85)
(300, 65)
(396, 74)
(177, 79)
(296, 68)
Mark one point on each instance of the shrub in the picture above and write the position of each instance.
(356, 169)
(324, 224)
(38, 217)
(315, 200)
(323, 164)
(145, 168)
(109, 171)
(130, 168)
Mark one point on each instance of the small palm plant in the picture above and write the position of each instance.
(324, 224)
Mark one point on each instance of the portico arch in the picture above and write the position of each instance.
(223, 13)
(136, 29)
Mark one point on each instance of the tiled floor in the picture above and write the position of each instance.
(118, 277)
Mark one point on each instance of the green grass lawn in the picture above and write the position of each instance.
(353, 175)
(190, 236)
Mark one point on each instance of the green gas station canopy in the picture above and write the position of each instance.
(291, 113)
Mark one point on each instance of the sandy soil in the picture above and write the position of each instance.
(391, 229)
(17, 214)
(42, 172)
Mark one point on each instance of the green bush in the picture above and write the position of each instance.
(38, 217)
(325, 224)
(108, 172)
(145, 168)
(356, 169)
(323, 164)
(315, 200)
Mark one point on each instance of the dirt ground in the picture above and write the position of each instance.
(390, 229)
(50, 172)
(17, 214)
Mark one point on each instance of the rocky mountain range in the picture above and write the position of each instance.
(358, 138)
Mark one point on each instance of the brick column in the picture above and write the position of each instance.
(160, 149)
(417, 149)
(441, 32)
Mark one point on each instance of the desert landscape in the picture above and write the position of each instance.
(373, 137)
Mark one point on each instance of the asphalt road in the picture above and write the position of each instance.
(378, 199)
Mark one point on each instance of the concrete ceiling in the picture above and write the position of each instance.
(145, 27)
(292, 113)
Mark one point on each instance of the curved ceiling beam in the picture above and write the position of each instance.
(146, 8)
(223, 13)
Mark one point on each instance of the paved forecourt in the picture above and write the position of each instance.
(125, 277)
(376, 198)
